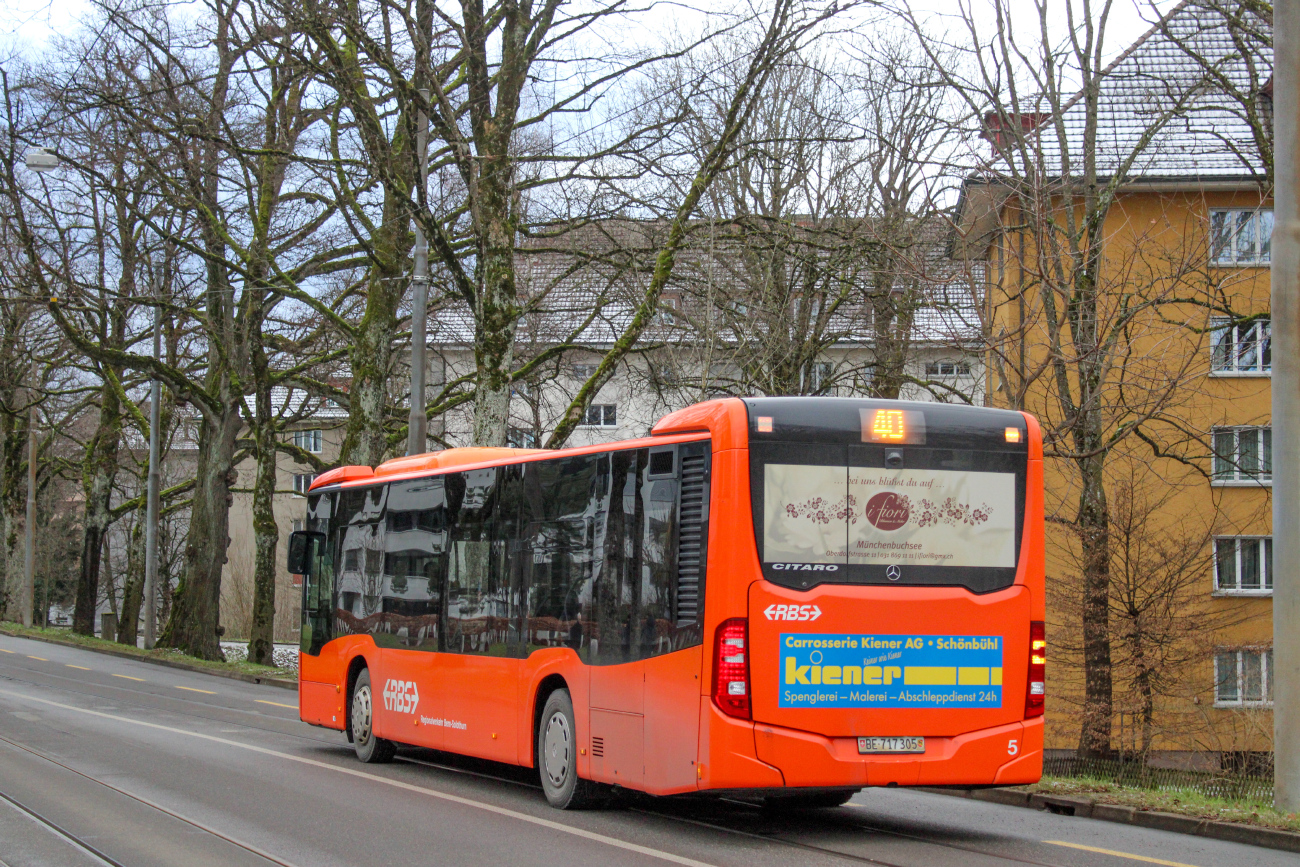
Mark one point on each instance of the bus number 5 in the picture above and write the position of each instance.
(1012, 747)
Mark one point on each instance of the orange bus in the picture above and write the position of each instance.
(778, 598)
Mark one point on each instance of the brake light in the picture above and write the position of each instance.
(1037, 669)
(731, 668)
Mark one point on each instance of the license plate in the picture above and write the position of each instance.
(891, 745)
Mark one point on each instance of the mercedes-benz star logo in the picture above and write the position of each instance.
(893, 573)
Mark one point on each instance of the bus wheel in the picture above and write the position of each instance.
(369, 748)
(557, 757)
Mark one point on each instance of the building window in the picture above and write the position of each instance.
(667, 313)
(1241, 237)
(518, 438)
(302, 482)
(947, 368)
(1243, 454)
(601, 415)
(1244, 348)
(308, 440)
(1243, 677)
(820, 375)
(583, 372)
(1243, 565)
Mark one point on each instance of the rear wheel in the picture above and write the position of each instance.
(818, 801)
(557, 757)
(369, 748)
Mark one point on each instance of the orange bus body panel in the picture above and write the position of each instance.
(652, 724)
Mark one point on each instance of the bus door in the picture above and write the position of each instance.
(477, 674)
(392, 557)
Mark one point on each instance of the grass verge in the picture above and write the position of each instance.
(67, 636)
(1182, 801)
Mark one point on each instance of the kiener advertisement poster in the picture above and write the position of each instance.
(865, 515)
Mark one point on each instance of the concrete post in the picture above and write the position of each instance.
(1286, 407)
(151, 496)
(29, 532)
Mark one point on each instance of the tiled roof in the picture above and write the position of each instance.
(565, 291)
(1208, 136)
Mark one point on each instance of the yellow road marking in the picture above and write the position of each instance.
(192, 689)
(276, 703)
(82, 667)
(129, 677)
(41, 658)
(2, 650)
(1118, 854)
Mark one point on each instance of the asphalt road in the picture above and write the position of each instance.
(110, 761)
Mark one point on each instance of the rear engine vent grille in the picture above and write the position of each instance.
(598, 748)
(692, 522)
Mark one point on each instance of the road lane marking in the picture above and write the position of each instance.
(129, 677)
(397, 784)
(82, 667)
(192, 689)
(2, 650)
(1118, 854)
(41, 658)
(276, 703)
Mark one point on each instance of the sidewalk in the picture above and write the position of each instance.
(169, 658)
(1070, 805)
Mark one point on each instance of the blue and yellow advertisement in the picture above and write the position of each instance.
(886, 671)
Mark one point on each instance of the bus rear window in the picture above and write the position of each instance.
(872, 513)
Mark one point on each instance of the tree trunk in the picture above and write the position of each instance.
(366, 440)
(266, 537)
(192, 626)
(13, 505)
(133, 590)
(1094, 537)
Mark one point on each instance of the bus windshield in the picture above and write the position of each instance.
(875, 492)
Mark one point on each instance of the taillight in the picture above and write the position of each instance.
(1037, 669)
(731, 668)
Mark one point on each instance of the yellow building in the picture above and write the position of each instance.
(1149, 367)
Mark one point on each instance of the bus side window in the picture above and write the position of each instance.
(414, 551)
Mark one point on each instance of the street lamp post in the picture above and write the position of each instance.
(416, 437)
(37, 160)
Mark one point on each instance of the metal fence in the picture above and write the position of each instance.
(1233, 784)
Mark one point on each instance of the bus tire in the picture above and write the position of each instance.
(557, 757)
(370, 749)
(818, 801)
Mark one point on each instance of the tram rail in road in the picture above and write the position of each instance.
(145, 773)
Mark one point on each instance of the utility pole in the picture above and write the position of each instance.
(29, 532)
(416, 437)
(1286, 406)
(151, 497)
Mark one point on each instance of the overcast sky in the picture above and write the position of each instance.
(30, 23)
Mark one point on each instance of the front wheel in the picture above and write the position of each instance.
(369, 748)
(557, 757)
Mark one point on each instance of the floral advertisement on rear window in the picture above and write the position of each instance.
(875, 516)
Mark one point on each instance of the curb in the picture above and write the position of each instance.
(1065, 805)
(169, 663)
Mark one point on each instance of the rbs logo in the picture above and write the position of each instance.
(401, 696)
(792, 612)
